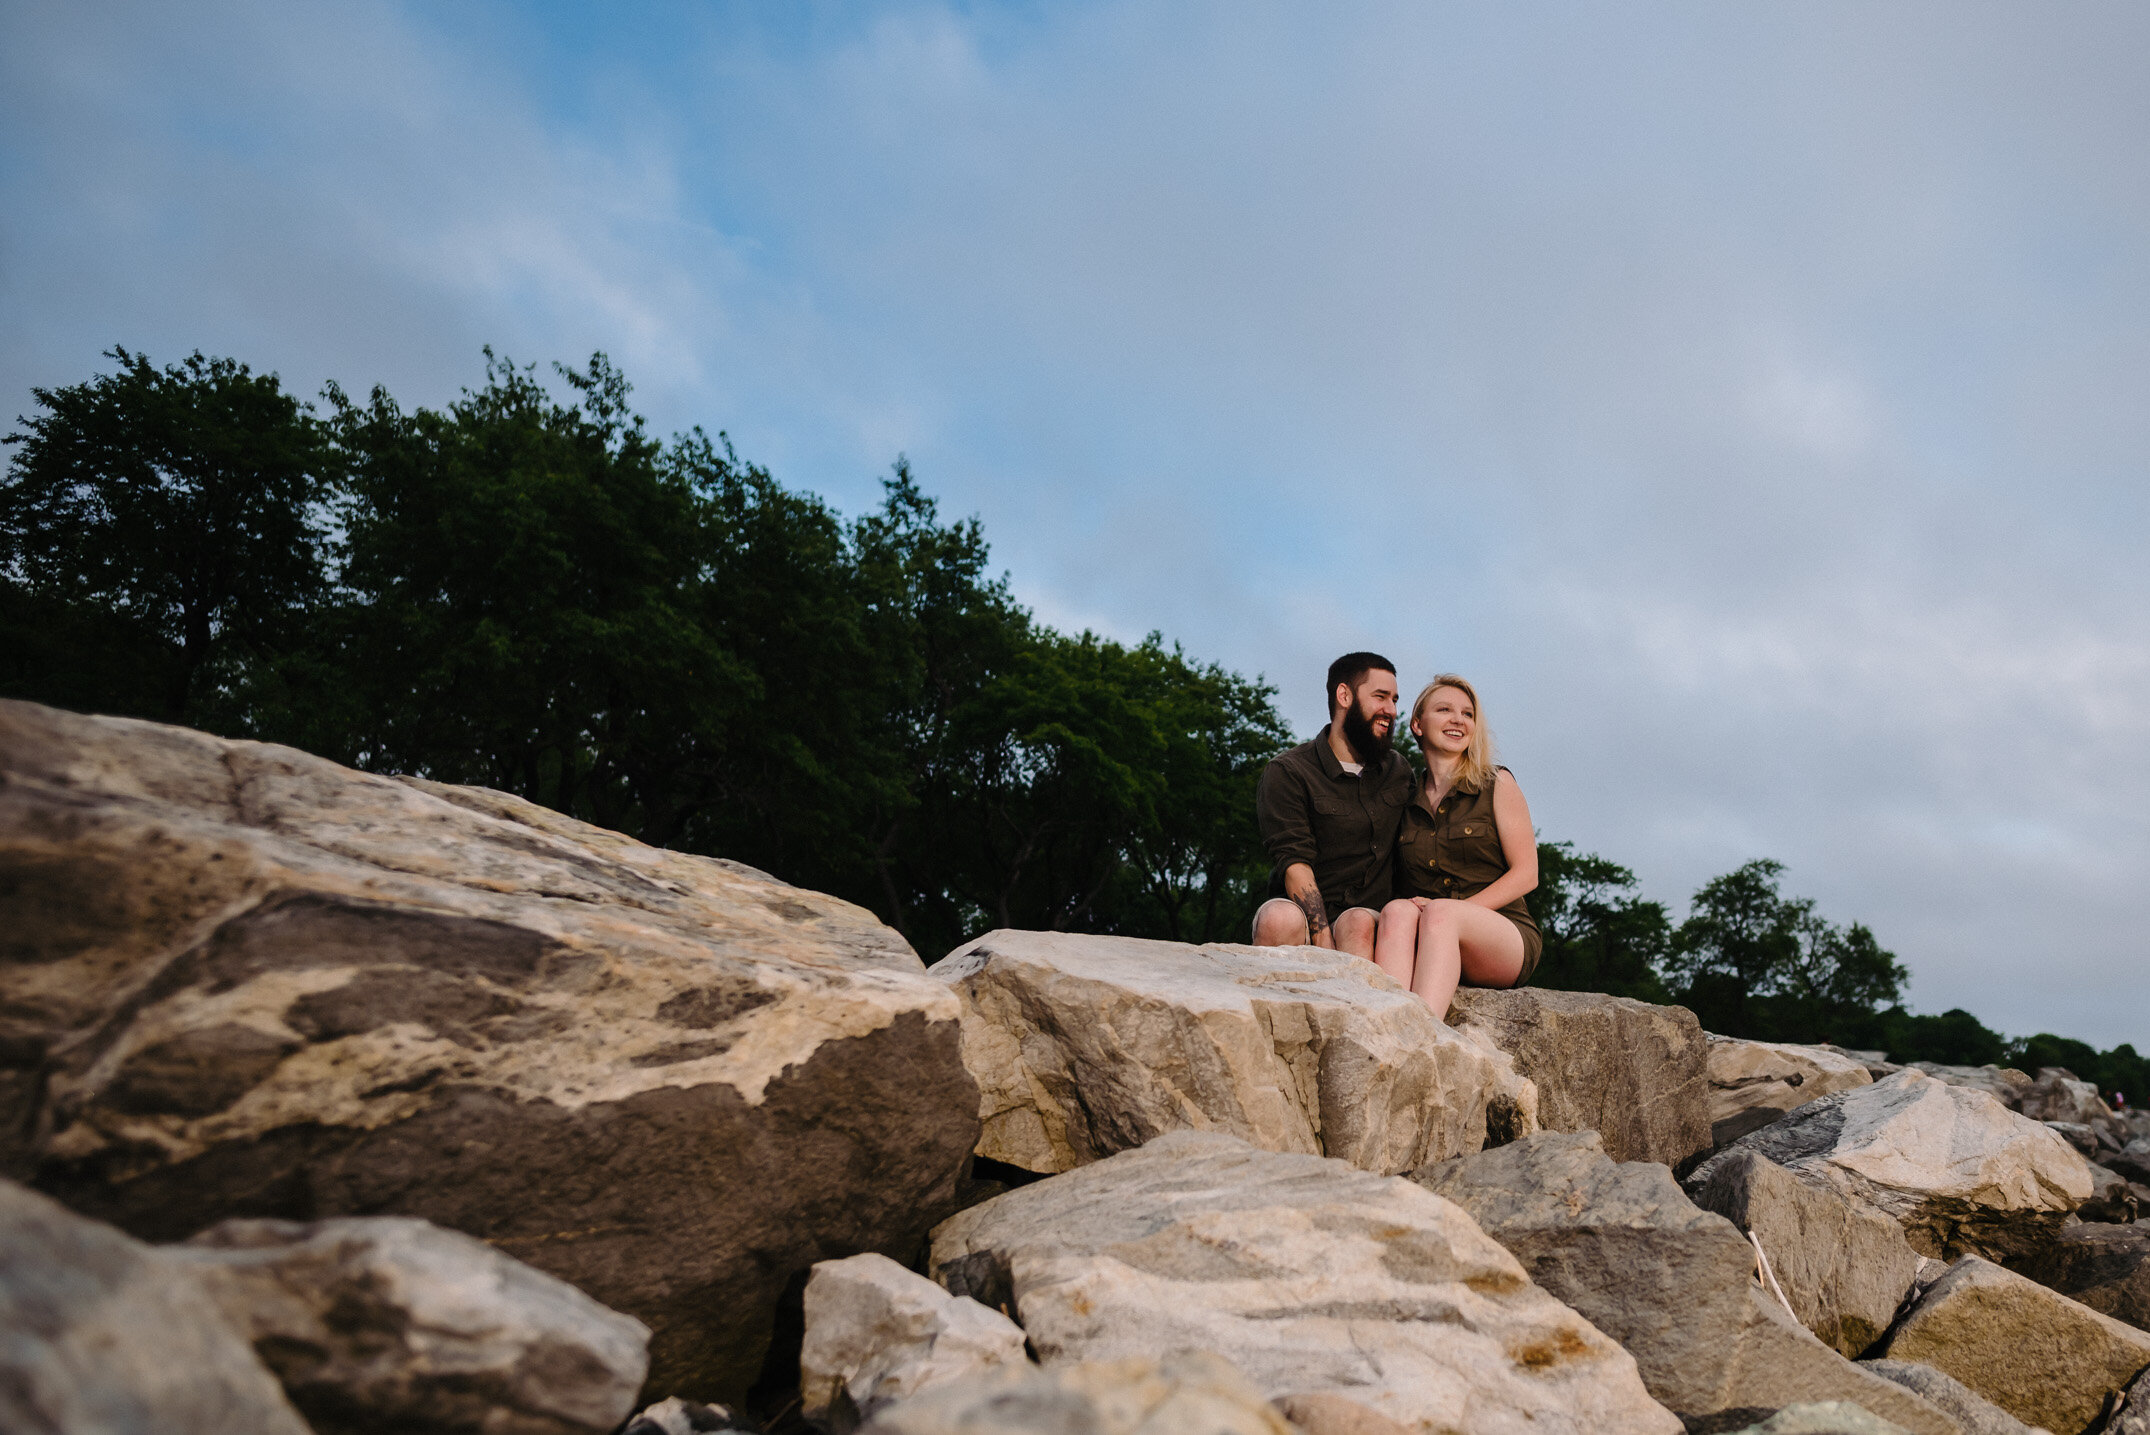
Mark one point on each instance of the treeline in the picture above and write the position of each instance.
(658, 637)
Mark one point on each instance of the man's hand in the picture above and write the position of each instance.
(1299, 886)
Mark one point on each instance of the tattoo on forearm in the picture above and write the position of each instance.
(1317, 917)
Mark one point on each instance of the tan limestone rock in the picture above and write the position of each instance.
(1752, 1083)
(1315, 1278)
(2043, 1358)
(1631, 1071)
(1085, 1045)
(1194, 1394)
(250, 982)
(877, 1333)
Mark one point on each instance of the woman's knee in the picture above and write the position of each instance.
(1402, 909)
(1443, 912)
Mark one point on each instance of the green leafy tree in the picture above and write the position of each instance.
(1599, 934)
(183, 507)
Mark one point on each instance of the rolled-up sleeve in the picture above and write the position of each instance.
(1285, 817)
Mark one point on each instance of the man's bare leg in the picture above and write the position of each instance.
(1355, 928)
(1280, 923)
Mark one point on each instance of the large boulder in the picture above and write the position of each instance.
(1083, 1046)
(1342, 1294)
(1844, 1268)
(248, 982)
(2043, 1358)
(385, 1322)
(102, 1335)
(1820, 1417)
(2106, 1267)
(1974, 1412)
(2132, 1160)
(1634, 1073)
(877, 1333)
(2057, 1094)
(1192, 1394)
(1752, 1083)
(1672, 1283)
(2004, 1084)
(1951, 1165)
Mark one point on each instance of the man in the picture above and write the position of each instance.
(1328, 812)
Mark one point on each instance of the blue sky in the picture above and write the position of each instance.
(1754, 400)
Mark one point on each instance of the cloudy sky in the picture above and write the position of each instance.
(1755, 400)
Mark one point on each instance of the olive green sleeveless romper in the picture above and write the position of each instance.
(1456, 852)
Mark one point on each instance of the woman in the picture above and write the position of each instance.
(1465, 857)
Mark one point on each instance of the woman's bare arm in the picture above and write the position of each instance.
(1519, 844)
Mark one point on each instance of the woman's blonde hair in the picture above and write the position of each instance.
(1475, 772)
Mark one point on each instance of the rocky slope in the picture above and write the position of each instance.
(360, 1104)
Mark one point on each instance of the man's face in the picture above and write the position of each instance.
(1369, 711)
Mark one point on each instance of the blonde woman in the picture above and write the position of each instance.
(1464, 860)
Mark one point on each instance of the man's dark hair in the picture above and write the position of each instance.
(1349, 669)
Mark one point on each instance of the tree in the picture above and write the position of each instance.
(184, 504)
(1599, 934)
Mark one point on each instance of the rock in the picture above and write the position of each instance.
(2132, 1160)
(2056, 1095)
(249, 982)
(1823, 1417)
(1083, 1046)
(1752, 1083)
(1673, 1284)
(1877, 1063)
(384, 1322)
(2045, 1359)
(2081, 1137)
(1951, 1165)
(1316, 1279)
(1192, 1394)
(2112, 1199)
(1632, 1072)
(2004, 1084)
(2132, 1416)
(685, 1417)
(1976, 1414)
(102, 1335)
(877, 1333)
(1845, 1268)
(2106, 1267)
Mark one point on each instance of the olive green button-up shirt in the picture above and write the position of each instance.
(1311, 810)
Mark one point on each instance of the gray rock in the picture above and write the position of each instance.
(1674, 1284)
(2132, 1415)
(2045, 1359)
(1844, 1268)
(1635, 1073)
(1951, 1165)
(1877, 1063)
(1193, 1394)
(2081, 1137)
(2113, 1199)
(255, 983)
(2056, 1094)
(1314, 1278)
(2133, 1159)
(1976, 1414)
(1086, 1045)
(1823, 1417)
(102, 1335)
(1752, 1083)
(376, 1322)
(2104, 1267)
(877, 1333)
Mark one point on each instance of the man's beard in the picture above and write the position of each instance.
(1359, 733)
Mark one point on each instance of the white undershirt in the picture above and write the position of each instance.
(1354, 768)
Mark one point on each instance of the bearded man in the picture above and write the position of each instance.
(1328, 811)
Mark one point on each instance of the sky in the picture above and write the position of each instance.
(1754, 401)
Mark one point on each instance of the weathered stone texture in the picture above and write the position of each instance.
(2043, 1358)
(1956, 1169)
(383, 1322)
(1635, 1073)
(1672, 1283)
(1976, 1414)
(1752, 1083)
(2104, 1267)
(1083, 1046)
(248, 982)
(877, 1333)
(1183, 1395)
(1316, 1279)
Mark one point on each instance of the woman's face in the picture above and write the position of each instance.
(1445, 721)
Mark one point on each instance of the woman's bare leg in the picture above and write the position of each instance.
(1396, 939)
(1458, 939)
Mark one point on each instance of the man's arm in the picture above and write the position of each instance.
(1285, 817)
(1300, 887)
